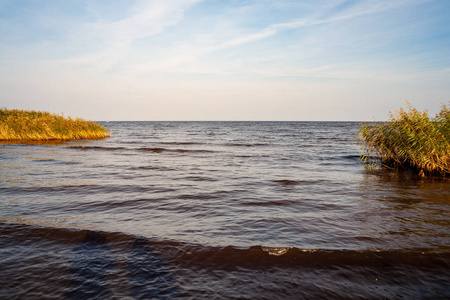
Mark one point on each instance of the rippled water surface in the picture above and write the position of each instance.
(257, 210)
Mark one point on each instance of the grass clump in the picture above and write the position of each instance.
(33, 125)
(409, 140)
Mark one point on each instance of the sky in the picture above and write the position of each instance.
(236, 60)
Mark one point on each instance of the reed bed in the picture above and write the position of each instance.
(32, 125)
(409, 140)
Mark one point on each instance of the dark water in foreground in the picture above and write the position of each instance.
(211, 210)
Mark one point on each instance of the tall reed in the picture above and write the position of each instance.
(409, 139)
(38, 126)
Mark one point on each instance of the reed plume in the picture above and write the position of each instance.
(40, 126)
(409, 139)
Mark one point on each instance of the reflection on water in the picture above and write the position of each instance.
(89, 266)
(407, 208)
(149, 278)
(45, 143)
(93, 271)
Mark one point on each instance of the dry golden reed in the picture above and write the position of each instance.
(410, 140)
(33, 125)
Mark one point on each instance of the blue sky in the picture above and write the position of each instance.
(224, 60)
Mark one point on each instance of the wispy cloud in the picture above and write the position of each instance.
(115, 47)
(146, 19)
(149, 18)
(359, 10)
(188, 56)
(150, 47)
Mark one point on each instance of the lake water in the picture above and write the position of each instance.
(218, 210)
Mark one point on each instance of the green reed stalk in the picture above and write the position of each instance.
(40, 126)
(409, 139)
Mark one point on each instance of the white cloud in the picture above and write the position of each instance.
(149, 18)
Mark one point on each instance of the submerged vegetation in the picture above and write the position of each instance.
(41, 126)
(409, 140)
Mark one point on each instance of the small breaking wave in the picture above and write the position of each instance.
(194, 255)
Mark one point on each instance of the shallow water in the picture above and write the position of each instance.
(218, 210)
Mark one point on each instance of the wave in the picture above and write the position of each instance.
(144, 149)
(334, 139)
(271, 203)
(155, 150)
(298, 182)
(357, 157)
(160, 150)
(259, 256)
(246, 145)
(153, 168)
(83, 189)
(182, 143)
(351, 157)
(198, 178)
(193, 255)
(45, 160)
(99, 148)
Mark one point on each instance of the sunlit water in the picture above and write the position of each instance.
(218, 210)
